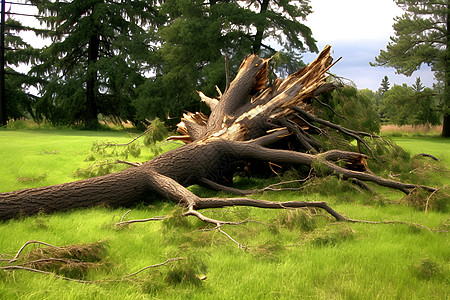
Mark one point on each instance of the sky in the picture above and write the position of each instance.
(356, 29)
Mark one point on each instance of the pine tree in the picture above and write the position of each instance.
(418, 86)
(199, 34)
(18, 102)
(385, 85)
(97, 58)
(422, 37)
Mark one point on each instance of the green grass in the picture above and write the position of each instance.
(302, 255)
(438, 147)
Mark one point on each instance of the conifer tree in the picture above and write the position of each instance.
(96, 60)
(199, 34)
(18, 102)
(422, 37)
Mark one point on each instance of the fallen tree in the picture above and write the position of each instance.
(251, 121)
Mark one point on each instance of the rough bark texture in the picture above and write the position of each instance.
(248, 117)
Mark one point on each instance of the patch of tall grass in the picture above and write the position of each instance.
(411, 130)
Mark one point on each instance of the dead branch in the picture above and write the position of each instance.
(123, 223)
(26, 244)
(130, 142)
(125, 277)
(426, 155)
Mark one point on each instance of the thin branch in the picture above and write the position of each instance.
(29, 243)
(121, 219)
(154, 266)
(134, 164)
(242, 246)
(126, 144)
(157, 218)
(428, 199)
(329, 107)
(426, 155)
(89, 281)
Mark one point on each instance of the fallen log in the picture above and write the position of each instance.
(244, 122)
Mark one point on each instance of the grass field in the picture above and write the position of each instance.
(301, 255)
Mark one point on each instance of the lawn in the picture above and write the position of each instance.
(298, 254)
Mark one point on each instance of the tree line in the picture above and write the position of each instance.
(138, 60)
(406, 105)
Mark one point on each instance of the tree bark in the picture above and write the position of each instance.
(446, 118)
(260, 28)
(91, 117)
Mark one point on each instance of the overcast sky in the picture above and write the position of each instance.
(357, 30)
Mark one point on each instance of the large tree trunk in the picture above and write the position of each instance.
(246, 119)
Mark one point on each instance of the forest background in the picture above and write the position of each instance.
(112, 61)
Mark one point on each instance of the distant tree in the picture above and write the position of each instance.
(405, 105)
(422, 37)
(98, 57)
(418, 86)
(199, 34)
(396, 104)
(427, 107)
(385, 85)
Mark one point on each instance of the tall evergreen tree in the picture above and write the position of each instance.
(199, 34)
(18, 102)
(385, 85)
(97, 58)
(422, 36)
(418, 86)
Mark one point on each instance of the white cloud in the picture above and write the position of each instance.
(357, 30)
(351, 20)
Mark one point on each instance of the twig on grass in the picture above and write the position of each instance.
(26, 244)
(428, 199)
(157, 218)
(126, 144)
(124, 277)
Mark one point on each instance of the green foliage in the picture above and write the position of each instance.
(156, 132)
(82, 258)
(385, 85)
(176, 220)
(198, 35)
(420, 38)
(19, 104)
(99, 55)
(105, 154)
(408, 105)
(187, 271)
(356, 108)
(422, 200)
